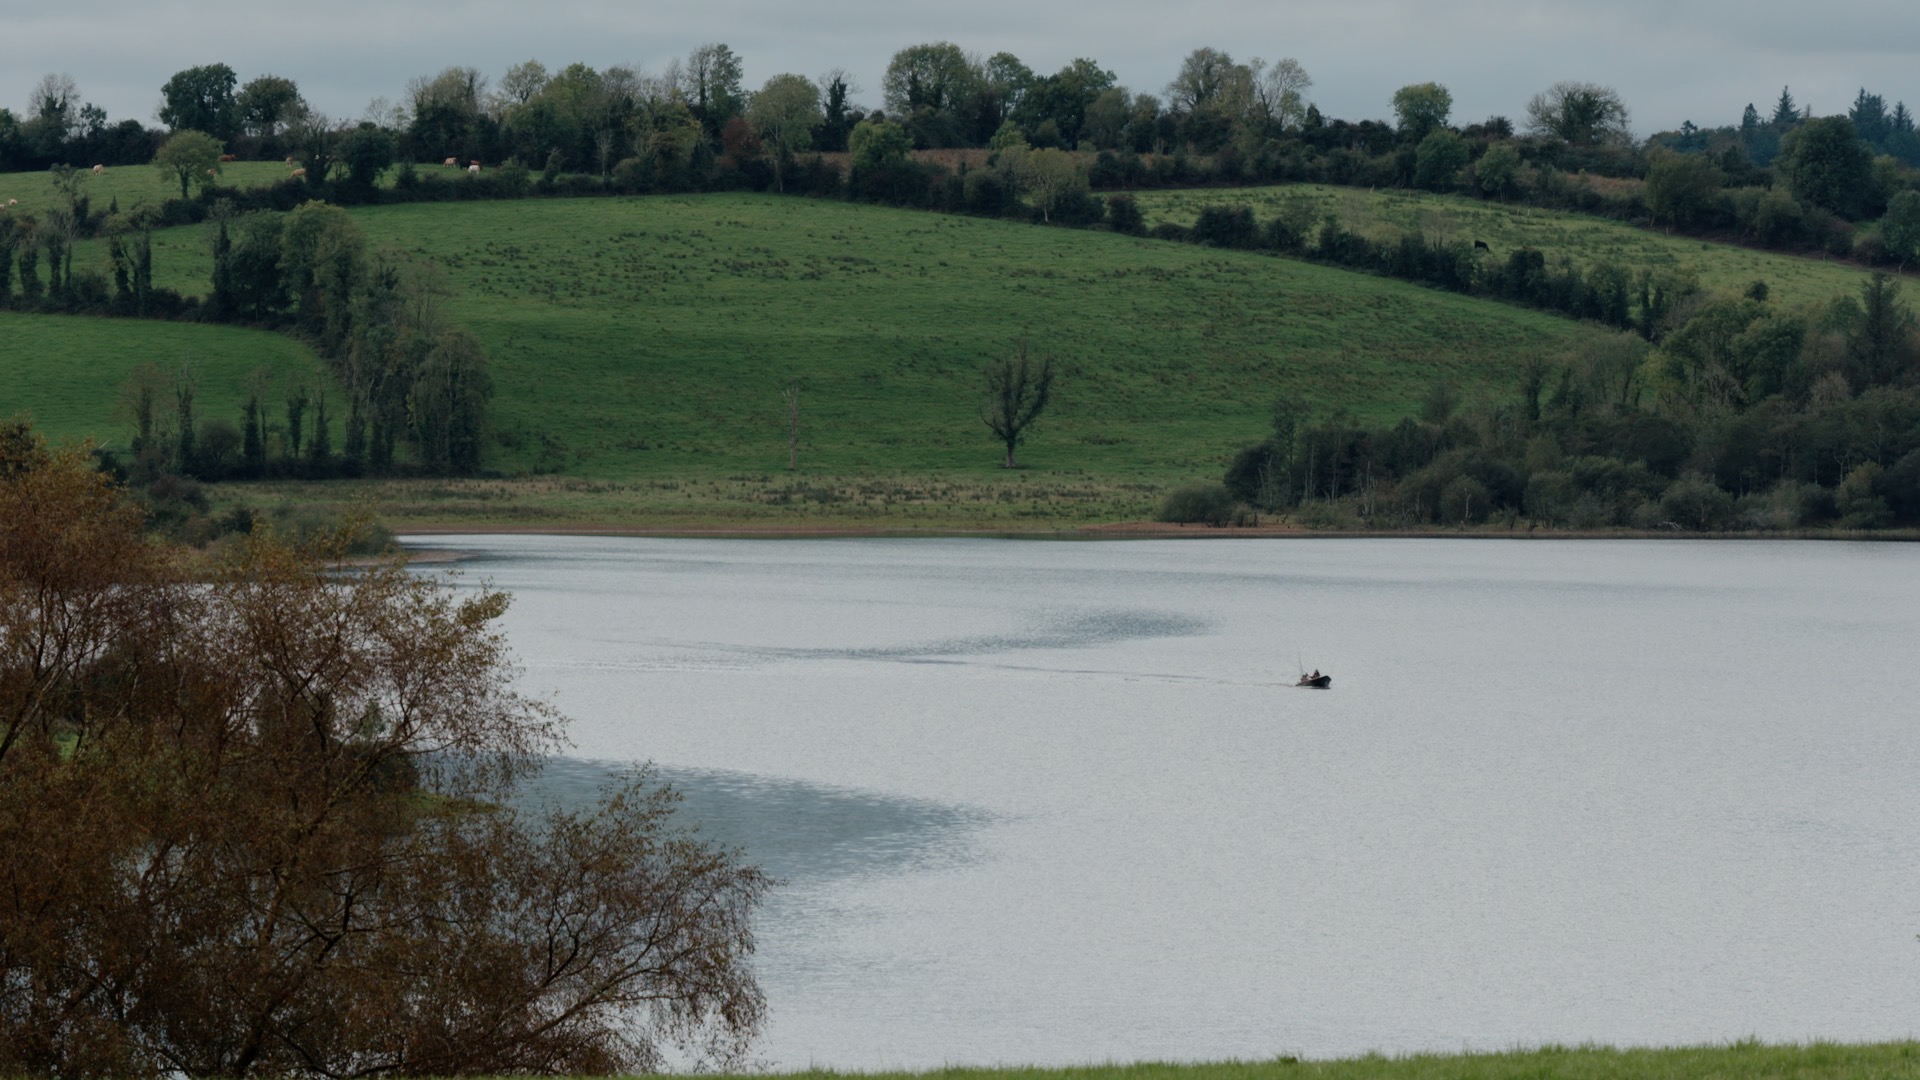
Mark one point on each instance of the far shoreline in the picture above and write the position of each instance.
(1118, 530)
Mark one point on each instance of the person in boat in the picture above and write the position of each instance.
(1315, 675)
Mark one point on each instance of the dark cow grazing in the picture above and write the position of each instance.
(1481, 245)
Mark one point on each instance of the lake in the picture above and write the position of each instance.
(1057, 802)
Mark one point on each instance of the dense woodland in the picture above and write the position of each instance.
(1762, 417)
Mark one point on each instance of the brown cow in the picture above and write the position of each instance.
(451, 162)
(229, 157)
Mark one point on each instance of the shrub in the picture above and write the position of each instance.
(1226, 226)
(1696, 503)
(1124, 215)
(1465, 500)
(1199, 504)
(1858, 499)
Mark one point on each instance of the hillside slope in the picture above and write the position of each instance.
(654, 336)
(1791, 279)
(66, 371)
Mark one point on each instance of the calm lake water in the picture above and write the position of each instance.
(1055, 803)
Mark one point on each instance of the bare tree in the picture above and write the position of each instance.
(1017, 393)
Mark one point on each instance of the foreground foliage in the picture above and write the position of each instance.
(256, 823)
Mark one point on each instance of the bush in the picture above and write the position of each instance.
(1200, 504)
(1696, 503)
(1465, 500)
(1124, 215)
(1226, 226)
(1551, 496)
(1858, 499)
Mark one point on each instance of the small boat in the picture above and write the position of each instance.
(1315, 682)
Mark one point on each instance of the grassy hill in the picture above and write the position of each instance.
(131, 185)
(649, 337)
(1737, 1061)
(66, 372)
(1792, 279)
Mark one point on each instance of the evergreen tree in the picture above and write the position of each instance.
(142, 270)
(297, 402)
(1869, 116)
(320, 447)
(222, 273)
(1785, 113)
(253, 444)
(30, 284)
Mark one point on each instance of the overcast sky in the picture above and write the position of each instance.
(1671, 60)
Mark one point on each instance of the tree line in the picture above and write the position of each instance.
(1790, 180)
(1734, 414)
(412, 378)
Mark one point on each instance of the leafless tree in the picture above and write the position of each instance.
(1017, 393)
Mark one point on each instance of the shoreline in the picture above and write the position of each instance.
(1118, 530)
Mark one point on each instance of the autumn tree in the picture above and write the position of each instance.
(1017, 393)
(260, 821)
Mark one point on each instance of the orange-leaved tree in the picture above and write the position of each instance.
(258, 819)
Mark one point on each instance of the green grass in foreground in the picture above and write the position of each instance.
(1740, 1061)
(131, 185)
(66, 371)
(1792, 279)
(640, 339)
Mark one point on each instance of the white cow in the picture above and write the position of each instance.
(98, 169)
(473, 170)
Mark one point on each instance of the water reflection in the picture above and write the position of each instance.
(798, 832)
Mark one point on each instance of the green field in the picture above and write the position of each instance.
(651, 337)
(1792, 279)
(131, 185)
(66, 371)
(1739, 1061)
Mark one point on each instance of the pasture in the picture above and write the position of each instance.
(1736, 1061)
(1791, 279)
(129, 185)
(66, 372)
(641, 338)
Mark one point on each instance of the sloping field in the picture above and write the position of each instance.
(66, 371)
(1792, 279)
(130, 184)
(654, 336)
